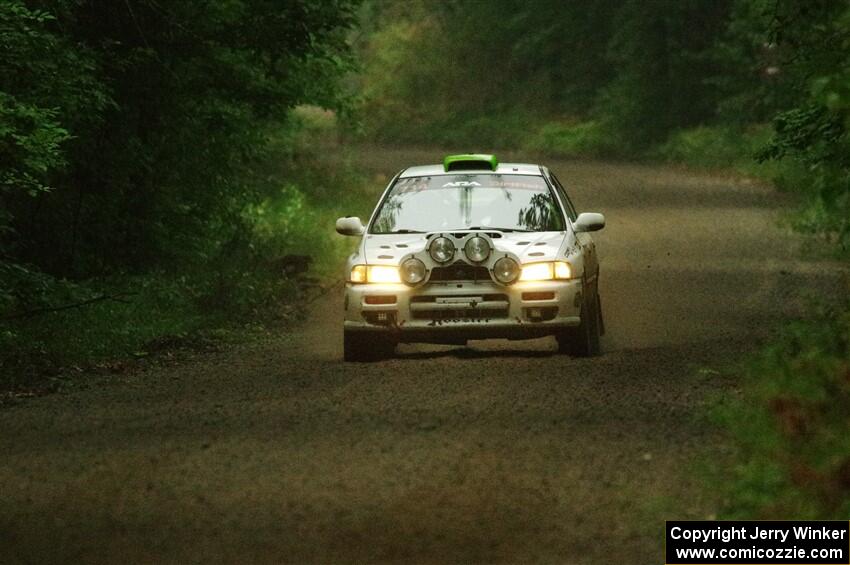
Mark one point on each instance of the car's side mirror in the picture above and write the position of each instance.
(589, 221)
(350, 225)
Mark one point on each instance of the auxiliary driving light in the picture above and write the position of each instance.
(506, 270)
(477, 249)
(442, 250)
(412, 271)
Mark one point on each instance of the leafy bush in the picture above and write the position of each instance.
(816, 139)
(715, 146)
(135, 146)
(47, 86)
(256, 277)
(790, 425)
(581, 139)
(735, 149)
(149, 122)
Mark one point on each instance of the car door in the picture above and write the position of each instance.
(585, 240)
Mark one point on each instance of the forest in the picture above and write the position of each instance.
(160, 165)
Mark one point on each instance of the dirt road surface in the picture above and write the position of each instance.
(499, 452)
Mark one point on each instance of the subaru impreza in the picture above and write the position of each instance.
(472, 249)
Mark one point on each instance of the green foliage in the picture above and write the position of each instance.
(582, 139)
(815, 139)
(493, 73)
(178, 99)
(253, 280)
(135, 149)
(660, 55)
(161, 307)
(717, 147)
(149, 122)
(814, 132)
(790, 425)
(44, 84)
(484, 74)
(751, 77)
(31, 139)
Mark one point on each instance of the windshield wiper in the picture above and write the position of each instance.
(401, 231)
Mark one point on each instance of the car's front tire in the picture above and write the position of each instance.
(583, 340)
(361, 346)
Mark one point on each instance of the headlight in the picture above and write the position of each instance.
(505, 270)
(383, 274)
(412, 271)
(374, 274)
(358, 274)
(442, 250)
(563, 270)
(546, 271)
(477, 249)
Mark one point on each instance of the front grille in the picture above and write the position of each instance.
(484, 297)
(479, 308)
(460, 272)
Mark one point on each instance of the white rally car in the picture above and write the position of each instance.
(472, 249)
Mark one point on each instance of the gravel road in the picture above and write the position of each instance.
(499, 452)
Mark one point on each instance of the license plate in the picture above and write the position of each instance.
(459, 299)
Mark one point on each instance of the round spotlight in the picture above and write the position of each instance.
(412, 271)
(506, 270)
(442, 250)
(477, 249)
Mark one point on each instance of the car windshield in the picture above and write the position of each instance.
(469, 201)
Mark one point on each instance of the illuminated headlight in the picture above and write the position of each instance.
(442, 250)
(358, 274)
(563, 270)
(506, 270)
(477, 249)
(546, 271)
(374, 274)
(412, 271)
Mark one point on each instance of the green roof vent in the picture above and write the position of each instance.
(470, 162)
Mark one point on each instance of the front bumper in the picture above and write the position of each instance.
(452, 312)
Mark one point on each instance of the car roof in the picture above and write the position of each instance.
(502, 169)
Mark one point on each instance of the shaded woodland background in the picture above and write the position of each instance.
(160, 168)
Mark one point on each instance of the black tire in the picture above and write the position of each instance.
(601, 317)
(583, 340)
(360, 346)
